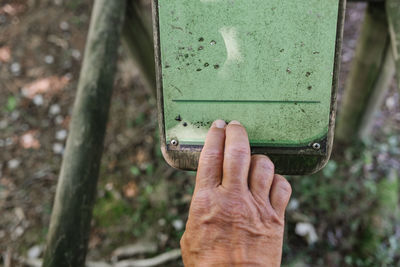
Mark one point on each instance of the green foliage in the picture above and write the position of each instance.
(109, 210)
(354, 206)
(11, 103)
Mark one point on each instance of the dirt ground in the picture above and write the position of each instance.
(140, 198)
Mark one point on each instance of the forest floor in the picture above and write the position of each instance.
(140, 199)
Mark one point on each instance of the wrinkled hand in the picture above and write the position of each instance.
(237, 212)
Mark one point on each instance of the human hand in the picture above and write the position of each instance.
(236, 217)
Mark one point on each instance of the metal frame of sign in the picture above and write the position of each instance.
(287, 160)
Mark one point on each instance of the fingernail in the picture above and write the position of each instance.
(219, 124)
(235, 122)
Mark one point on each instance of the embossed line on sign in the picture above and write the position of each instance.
(246, 101)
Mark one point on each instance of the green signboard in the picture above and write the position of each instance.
(268, 64)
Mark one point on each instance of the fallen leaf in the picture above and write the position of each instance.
(11, 9)
(49, 85)
(130, 190)
(5, 54)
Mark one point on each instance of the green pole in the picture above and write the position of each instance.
(67, 240)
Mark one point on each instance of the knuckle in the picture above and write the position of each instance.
(211, 154)
(264, 163)
(276, 220)
(284, 185)
(238, 151)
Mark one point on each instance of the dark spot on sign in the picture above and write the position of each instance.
(282, 50)
(193, 55)
(308, 74)
(201, 39)
(295, 103)
(302, 110)
(201, 48)
(167, 66)
(186, 55)
(309, 87)
(213, 42)
(181, 48)
(206, 65)
(198, 70)
(190, 33)
(185, 124)
(315, 52)
(187, 64)
(288, 70)
(178, 118)
(216, 66)
(272, 139)
(176, 27)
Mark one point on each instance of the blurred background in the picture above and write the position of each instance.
(342, 216)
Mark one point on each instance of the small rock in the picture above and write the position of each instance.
(49, 59)
(61, 135)
(38, 100)
(307, 231)
(58, 148)
(15, 68)
(35, 252)
(178, 224)
(162, 222)
(293, 205)
(9, 141)
(3, 124)
(19, 231)
(109, 186)
(13, 164)
(64, 26)
(391, 103)
(59, 119)
(76, 54)
(15, 115)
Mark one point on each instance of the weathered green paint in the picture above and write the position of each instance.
(268, 64)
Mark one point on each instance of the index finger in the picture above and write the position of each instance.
(209, 172)
(236, 157)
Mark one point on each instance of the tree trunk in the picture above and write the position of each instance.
(69, 231)
(367, 68)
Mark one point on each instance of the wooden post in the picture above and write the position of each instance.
(393, 13)
(137, 38)
(368, 66)
(378, 94)
(69, 231)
